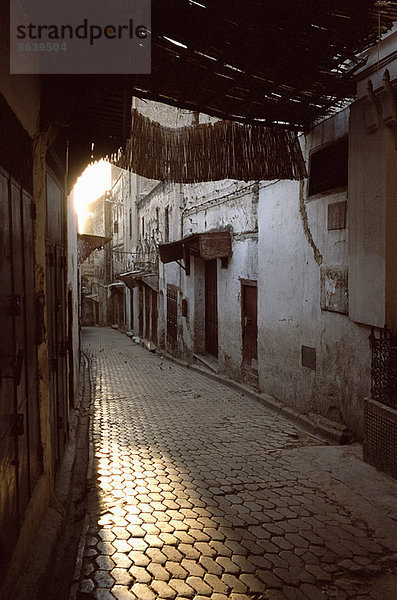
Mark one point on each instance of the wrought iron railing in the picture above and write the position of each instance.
(384, 368)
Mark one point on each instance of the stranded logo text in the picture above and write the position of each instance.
(84, 31)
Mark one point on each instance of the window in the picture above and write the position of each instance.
(157, 219)
(143, 228)
(167, 225)
(308, 357)
(337, 215)
(130, 223)
(329, 167)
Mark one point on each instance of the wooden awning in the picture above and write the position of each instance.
(92, 297)
(117, 287)
(86, 244)
(133, 278)
(217, 244)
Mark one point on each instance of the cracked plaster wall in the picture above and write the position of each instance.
(293, 243)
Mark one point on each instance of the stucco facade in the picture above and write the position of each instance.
(300, 254)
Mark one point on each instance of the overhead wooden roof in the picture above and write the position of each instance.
(282, 64)
(278, 62)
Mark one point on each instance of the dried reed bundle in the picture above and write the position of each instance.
(211, 152)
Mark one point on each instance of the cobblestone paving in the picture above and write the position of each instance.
(193, 495)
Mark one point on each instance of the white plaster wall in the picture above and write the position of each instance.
(224, 204)
(167, 116)
(162, 196)
(367, 201)
(289, 313)
(372, 188)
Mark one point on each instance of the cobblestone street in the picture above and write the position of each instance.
(197, 492)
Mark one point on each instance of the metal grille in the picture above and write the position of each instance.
(384, 368)
(380, 444)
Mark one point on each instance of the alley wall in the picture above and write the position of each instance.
(310, 355)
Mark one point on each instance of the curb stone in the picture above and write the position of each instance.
(330, 433)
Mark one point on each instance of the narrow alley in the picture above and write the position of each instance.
(198, 300)
(197, 491)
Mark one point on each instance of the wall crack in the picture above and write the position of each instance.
(305, 222)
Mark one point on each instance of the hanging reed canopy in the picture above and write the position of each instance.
(211, 151)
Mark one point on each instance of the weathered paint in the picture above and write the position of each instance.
(298, 252)
(372, 192)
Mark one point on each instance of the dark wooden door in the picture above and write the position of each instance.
(154, 317)
(132, 309)
(61, 349)
(20, 447)
(140, 310)
(172, 315)
(147, 312)
(57, 318)
(31, 376)
(8, 440)
(250, 324)
(211, 307)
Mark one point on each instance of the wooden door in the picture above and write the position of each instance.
(211, 307)
(31, 375)
(52, 352)
(57, 318)
(61, 349)
(140, 310)
(147, 312)
(154, 317)
(20, 444)
(249, 324)
(172, 315)
(132, 309)
(20, 342)
(8, 440)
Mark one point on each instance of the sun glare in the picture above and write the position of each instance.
(94, 182)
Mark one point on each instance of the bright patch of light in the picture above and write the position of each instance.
(174, 42)
(206, 55)
(197, 3)
(234, 68)
(92, 184)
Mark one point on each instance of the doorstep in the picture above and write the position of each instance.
(209, 361)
